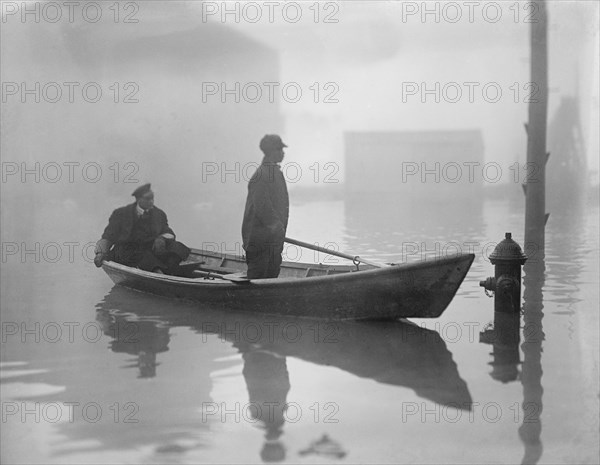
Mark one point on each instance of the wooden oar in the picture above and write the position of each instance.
(234, 278)
(355, 258)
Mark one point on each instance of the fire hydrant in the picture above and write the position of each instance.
(507, 259)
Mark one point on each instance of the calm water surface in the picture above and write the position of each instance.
(93, 373)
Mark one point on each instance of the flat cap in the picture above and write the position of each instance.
(141, 191)
(271, 141)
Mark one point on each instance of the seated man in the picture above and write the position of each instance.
(140, 236)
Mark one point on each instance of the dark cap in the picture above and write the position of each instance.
(270, 142)
(141, 191)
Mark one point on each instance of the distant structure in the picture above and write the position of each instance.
(429, 165)
(183, 101)
(566, 171)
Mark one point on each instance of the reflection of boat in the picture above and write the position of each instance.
(393, 353)
(421, 290)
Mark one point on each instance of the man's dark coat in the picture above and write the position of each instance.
(267, 208)
(120, 224)
(137, 250)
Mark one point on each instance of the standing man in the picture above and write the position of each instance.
(139, 235)
(266, 213)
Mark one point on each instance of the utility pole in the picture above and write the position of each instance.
(535, 223)
(535, 189)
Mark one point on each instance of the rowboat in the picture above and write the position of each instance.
(331, 292)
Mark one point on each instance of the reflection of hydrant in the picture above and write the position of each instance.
(507, 259)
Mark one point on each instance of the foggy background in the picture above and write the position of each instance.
(67, 165)
(199, 152)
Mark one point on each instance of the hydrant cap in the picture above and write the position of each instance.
(508, 251)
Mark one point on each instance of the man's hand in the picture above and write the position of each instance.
(102, 248)
(98, 259)
(160, 245)
(277, 230)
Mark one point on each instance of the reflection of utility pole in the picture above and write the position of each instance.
(535, 190)
(531, 371)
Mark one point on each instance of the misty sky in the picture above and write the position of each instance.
(377, 46)
(373, 61)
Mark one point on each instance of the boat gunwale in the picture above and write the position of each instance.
(280, 282)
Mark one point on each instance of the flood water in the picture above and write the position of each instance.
(93, 373)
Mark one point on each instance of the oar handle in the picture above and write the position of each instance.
(355, 258)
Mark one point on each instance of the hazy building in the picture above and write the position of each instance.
(183, 102)
(418, 164)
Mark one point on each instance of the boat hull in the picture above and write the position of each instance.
(418, 290)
